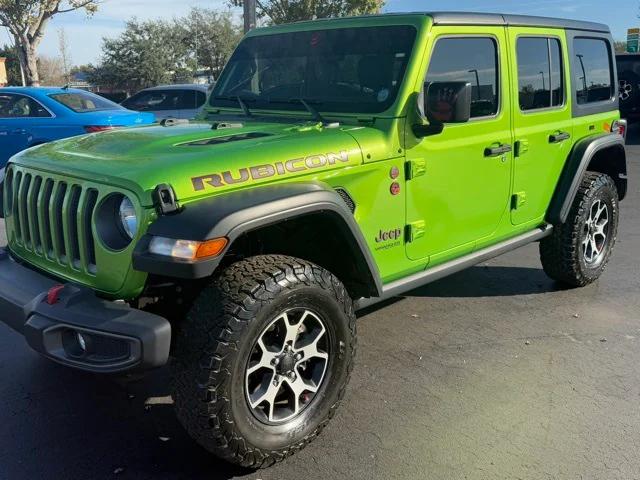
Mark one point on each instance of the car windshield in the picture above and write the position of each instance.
(84, 102)
(357, 70)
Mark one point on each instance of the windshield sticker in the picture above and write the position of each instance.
(268, 170)
(383, 95)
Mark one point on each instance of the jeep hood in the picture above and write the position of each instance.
(198, 159)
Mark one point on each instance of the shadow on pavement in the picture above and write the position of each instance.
(105, 427)
(490, 281)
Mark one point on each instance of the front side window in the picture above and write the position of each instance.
(84, 102)
(158, 100)
(473, 60)
(348, 70)
(539, 73)
(19, 106)
(201, 97)
(593, 77)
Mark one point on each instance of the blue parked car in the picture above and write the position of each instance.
(31, 116)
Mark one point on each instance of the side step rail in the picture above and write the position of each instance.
(419, 279)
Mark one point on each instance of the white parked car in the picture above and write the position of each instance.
(170, 101)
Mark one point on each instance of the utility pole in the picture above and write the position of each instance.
(249, 15)
(544, 83)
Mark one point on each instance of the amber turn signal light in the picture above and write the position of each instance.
(211, 248)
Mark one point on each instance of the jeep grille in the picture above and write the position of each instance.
(52, 218)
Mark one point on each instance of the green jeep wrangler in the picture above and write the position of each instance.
(339, 163)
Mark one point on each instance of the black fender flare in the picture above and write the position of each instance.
(233, 214)
(576, 166)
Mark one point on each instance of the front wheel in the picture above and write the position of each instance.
(263, 359)
(578, 251)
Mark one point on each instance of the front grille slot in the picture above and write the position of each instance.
(14, 205)
(53, 219)
(23, 196)
(72, 222)
(44, 205)
(57, 206)
(87, 231)
(34, 214)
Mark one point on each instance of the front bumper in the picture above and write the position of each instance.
(79, 329)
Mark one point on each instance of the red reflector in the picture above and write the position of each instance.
(622, 130)
(619, 127)
(98, 128)
(54, 293)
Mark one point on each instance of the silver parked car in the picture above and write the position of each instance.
(170, 101)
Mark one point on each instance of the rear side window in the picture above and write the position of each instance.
(201, 97)
(593, 77)
(84, 102)
(473, 60)
(19, 106)
(540, 73)
(157, 100)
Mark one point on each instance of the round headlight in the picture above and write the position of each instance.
(128, 217)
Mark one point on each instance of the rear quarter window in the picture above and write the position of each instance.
(593, 72)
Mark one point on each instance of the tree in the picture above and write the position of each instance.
(145, 54)
(12, 64)
(27, 21)
(620, 46)
(210, 38)
(285, 11)
(65, 55)
(51, 71)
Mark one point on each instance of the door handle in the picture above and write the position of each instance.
(497, 151)
(559, 137)
(19, 131)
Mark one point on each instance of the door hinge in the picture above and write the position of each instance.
(518, 200)
(415, 168)
(415, 231)
(521, 147)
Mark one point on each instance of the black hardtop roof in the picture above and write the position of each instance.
(470, 18)
(481, 19)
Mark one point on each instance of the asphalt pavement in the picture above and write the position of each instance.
(494, 373)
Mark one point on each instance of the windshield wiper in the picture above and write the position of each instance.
(317, 116)
(241, 101)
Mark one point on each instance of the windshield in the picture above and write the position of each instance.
(84, 102)
(357, 70)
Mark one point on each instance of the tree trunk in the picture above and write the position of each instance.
(28, 61)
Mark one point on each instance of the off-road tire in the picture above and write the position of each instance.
(218, 335)
(561, 253)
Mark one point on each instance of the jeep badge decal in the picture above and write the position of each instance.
(268, 170)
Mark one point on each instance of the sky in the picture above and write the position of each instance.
(85, 34)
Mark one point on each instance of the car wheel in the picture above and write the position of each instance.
(578, 251)
(263, 359)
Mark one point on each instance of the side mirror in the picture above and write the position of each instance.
(447, 102)
(444, 102)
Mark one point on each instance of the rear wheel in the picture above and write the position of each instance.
(578, 251)
(263, 358)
